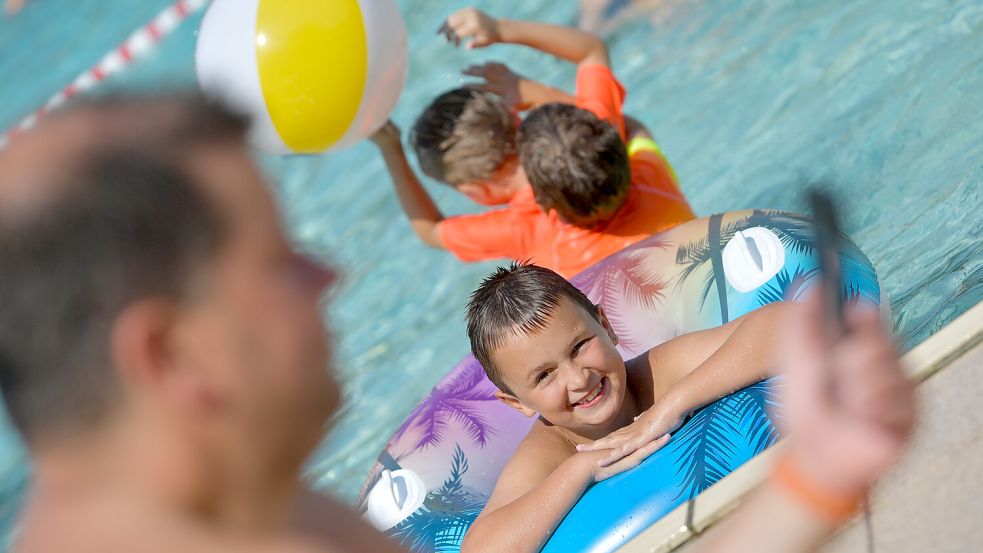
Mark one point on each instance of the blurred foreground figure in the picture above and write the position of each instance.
(161, 345)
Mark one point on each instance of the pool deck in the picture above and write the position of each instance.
(930, 502)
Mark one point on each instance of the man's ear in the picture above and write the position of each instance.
(513, 402)
(603, 319)
(142, 348)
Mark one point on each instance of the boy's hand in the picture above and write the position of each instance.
(387, 135)
(591, 461)
(500, 81)
(471, 23)
(650, 431)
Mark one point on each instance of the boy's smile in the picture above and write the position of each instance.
(569, 372)
(593, 397)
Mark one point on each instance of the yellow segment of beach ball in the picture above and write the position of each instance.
(312, 58)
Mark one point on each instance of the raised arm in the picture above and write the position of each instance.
(518, 92)
(566, 43)
(423, 213)
(522, 93)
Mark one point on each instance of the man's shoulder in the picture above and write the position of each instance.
(107, 525)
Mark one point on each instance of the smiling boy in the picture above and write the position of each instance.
(552, 352)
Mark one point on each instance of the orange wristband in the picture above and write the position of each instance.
(834, 508)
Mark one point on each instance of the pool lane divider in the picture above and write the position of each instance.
(138, 44)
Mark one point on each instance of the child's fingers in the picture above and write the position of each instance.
(483, 70)
(448, 31)
(629, 446)
(634, 459)
(596, 445)
(617, 453)
(612, 440)
(479, 40)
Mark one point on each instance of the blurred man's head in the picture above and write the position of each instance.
(144, 276)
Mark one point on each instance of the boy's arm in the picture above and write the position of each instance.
(422, 212)
(540, 484)
(635, 129)
(695, 369)
(566, 43)
(522, 93)
(518, 92)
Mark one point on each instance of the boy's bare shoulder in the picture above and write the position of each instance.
(544, 439)
(538, 455)
(540, 452)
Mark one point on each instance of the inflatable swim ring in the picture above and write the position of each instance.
(313, 74)
(437, 471)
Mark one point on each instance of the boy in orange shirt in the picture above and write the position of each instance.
(586, 196)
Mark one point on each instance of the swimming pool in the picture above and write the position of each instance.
(749, 99)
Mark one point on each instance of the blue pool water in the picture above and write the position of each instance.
(882, 98)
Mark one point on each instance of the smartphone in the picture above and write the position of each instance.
(827, 246)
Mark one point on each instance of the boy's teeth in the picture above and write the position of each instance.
(591, 396)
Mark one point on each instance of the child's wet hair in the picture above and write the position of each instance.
(464, 135)
(517, 300)
(576, 163)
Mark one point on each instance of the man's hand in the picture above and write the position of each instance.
(473, 24)
(650, 431)
(849, 406)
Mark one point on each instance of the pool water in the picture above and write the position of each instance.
(880, 99)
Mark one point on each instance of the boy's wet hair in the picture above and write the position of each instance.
(576, 163)
(464, 136)
(517, 300)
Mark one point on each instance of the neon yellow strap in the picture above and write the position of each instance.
(640, 143)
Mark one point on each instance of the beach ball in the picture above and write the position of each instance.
(312, 74)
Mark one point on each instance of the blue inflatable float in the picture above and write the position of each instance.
(438, 470)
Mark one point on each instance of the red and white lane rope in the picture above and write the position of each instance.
(134, 47)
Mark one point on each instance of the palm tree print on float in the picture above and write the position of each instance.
(447, 513)
(797, 236)
(616, 285)
(705, 446)
(787, 287)
(456, 400)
